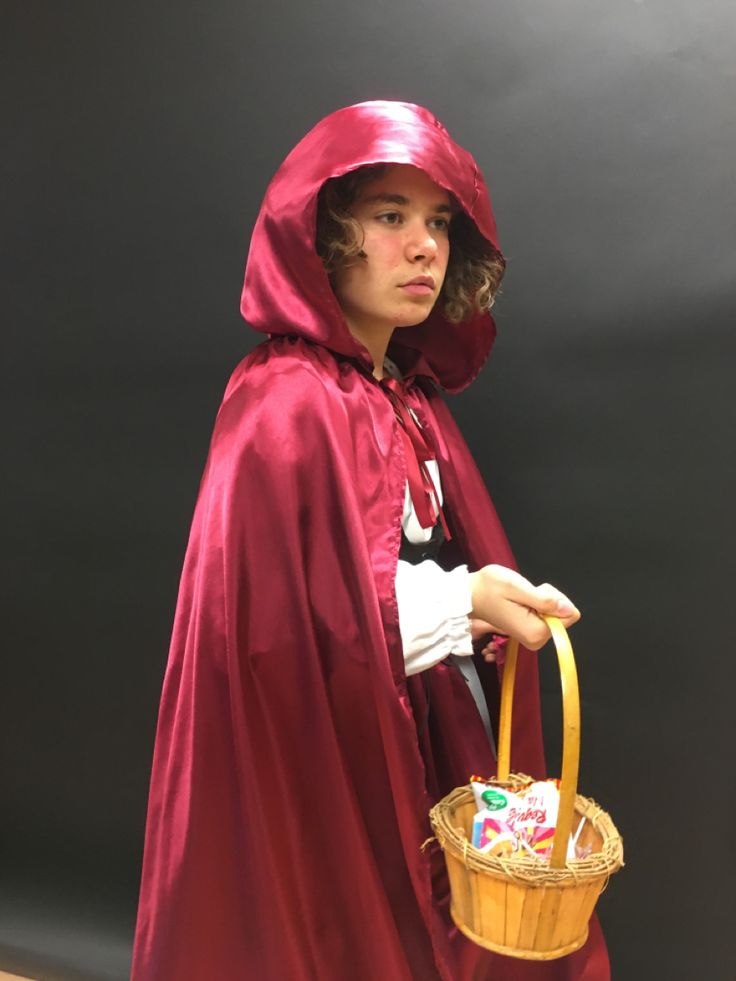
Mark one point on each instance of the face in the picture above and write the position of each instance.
(405, 218)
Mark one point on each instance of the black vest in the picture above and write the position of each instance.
(417, 552)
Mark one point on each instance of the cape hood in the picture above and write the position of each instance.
(286, 289)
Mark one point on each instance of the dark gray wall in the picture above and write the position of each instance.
(139, 139)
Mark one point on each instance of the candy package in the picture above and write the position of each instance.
(520, 823)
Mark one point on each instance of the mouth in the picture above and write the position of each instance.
(419, 286)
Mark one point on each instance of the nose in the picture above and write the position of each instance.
(420, 242)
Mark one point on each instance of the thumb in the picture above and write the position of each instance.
(554, 603)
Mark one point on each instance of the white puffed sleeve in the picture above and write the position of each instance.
(434, 613)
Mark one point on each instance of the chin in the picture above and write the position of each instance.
(412, 318)
(411, 323)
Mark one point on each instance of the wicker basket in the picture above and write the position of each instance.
(522, 907)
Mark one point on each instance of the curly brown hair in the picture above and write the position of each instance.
(474, 271)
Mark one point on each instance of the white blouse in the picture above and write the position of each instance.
(435, 605)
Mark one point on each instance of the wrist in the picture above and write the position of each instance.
(475, 590)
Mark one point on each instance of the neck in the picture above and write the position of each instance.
(375, 338)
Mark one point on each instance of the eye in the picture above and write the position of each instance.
(389, 218)
(441, 224)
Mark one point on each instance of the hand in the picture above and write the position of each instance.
(507, 603)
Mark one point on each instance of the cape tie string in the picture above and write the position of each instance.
(417, 452)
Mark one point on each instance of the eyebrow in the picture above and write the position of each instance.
(400, 199)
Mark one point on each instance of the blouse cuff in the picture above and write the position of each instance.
(434, 613)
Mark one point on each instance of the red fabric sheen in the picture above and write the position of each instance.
(290, 785)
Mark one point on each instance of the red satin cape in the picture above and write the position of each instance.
(291, 777)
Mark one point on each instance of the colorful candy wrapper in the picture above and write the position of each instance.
(536, 804)
(519, 824)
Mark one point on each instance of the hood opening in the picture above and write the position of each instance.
(287, 288)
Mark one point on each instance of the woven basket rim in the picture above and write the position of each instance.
(598, 865)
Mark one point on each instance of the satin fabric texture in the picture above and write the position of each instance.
(291, 783)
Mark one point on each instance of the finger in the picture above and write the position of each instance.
(516, 620)
(532, 631)
(490, 651)
(479, 628)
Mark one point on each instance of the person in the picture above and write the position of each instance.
(331, 672)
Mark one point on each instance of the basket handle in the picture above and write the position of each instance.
(570, 736)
